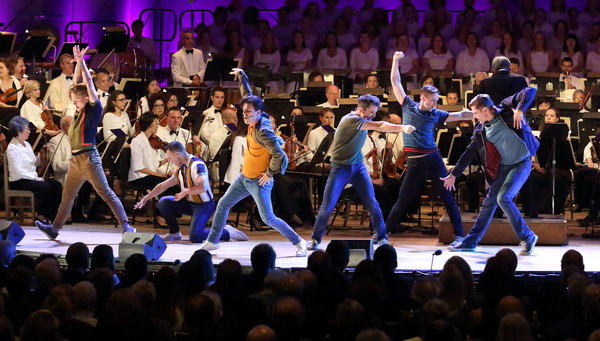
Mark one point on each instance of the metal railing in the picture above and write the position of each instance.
(192, 14)
(92, 22)
(159, 22)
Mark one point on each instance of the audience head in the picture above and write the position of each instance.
(387, 259)
(509, 258)
(47, 274)
(372, 335)
(41, 325)
(7, 252)
(263, 258)
(500, 64)
(102, 257)
(572, 258)
(514, 327)
(319, 263)
(84, 297)
(426, 288)
(287, 317)
(339, 254)
(368, 106)
(261, 332)
(136, 267)
(78, 256)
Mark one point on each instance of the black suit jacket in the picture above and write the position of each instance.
(502, 85)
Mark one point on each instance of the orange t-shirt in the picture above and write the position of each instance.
(256, 158)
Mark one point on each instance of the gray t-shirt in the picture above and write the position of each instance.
(349, 140)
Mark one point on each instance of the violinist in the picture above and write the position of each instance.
(16, 66)
(152, 88)
(8, 85)
(144, 158)
(115, 116)
(157, 105)
(174, 132)
(33, 109)
(22, 175)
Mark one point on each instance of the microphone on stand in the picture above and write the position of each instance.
(435, 253)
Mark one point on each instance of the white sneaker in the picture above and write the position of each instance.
(301, 248)
(312, 245)
(208, 246)
(128, 228)
(235, 234)
(169, 237)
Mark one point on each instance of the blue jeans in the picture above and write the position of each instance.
(240, 188)
(418, 170)
(501, 193)
(200, 213)
(357, 175)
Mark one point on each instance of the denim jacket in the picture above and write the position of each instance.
(265, 136)
(476, 149)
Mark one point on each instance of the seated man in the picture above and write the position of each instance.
(571, 82)
(57, 96)
(142, 43)
(102, 82)
(195, 197)
(187, 64)
(174, 132)
(332, 92)
(452, 98)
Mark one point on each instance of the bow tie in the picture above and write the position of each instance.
(217, 111)
(139, 40)
(189, 51)
(173, 132)
(69, 77)
(104, 94)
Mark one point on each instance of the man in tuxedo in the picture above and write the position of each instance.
(142, 43)
(187, 64)
(57, 96)
(502, 84)
(102, 81)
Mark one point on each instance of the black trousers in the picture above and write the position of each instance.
(150, 181)
(47, 194)
(291, 197)
(536, 194)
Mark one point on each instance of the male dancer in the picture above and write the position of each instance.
(195, 198)
(347, 167)
(85, 163)
(263, 159)
(503, 139)
(423, 157)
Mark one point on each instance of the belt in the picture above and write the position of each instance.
(79, 152)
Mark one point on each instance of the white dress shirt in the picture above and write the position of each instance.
(212, 121)
(367, 61)
(185, 65)
(142, 156)
(58, 96)
(22, 162)
(103, 96)
(33, 113)
(216, 141)
(297, 60)
(327, 105)
(59, 149)
(111, 121)
(467, 64)
(315, 138)
(238, 149)
(338, 61)
(182, 136)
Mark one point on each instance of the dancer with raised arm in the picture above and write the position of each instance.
(347, 167)
(424, 160)
(86, 164)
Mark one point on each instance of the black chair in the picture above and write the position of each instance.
(349, 197)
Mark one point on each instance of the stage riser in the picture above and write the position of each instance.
(551, 230)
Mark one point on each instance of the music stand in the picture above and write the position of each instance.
(36, 47)
(321, 152)
(133, 88)
(114, 42)
(311, 97)
(278, 106)
(68, 48)
(218, 69)
(195, 118)
(458, 146)
(555, 151)
(7, 42)
(587, 126)
(113, 150)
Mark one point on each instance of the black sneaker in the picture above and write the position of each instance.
(528, 245)
(48, 229)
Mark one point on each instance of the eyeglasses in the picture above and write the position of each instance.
(121, 99)
(158, 105)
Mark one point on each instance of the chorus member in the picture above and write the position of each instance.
(17, 68)
(85, 164)
(57, 96)
(363, 59)
(33, 108)
(140, 42)
(541, 58)
(330, 12)
(345, 38)
(59, 149)
(558, 11)
(510, 49)
(592, 63)
(410, 64)
(299, 58)
(145, 161)
(205, 45)
(187, 64)
(332, 93)
(423, 157)
(526, 42)
(347, 167)
(504, 140)
(572, 82)
(459, 43)
(540, 23)
(263, 27)
(503, 83)
(472, 59)
(591, 13)
(492, 41)
(102, 81)
(234, 47)
(264, 158)
(438, 58)
(557, 41)
(22, 175)
(572, 49)
(115, 117)
(173, 131)
(152, 88)
(284, 29)
(9, 84)
(332, 56)
(424, 42)
(307, 27)
(217, 28)
(213, 119)
(269, 54)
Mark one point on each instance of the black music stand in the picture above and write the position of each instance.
(218, 69)
(194, 118)
(311, 97)
(278, 106)
(68, 48)
(555, 151)
(113, 150)
(7, 43)
(114, 42)
(458, 146)
(134, 89)
(36, 47)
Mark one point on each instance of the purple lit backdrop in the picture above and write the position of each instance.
(20, 15)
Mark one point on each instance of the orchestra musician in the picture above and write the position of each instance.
(115, 117)
(316, 136)
(174, 132)
(152, 88)
(16, 66)
(22, 174)
(195, 197)
(59, 148)
(264, 158)
(103, 83)
(187, 64)
(212, 116)
(8, 84)
(33, 108)
(424, 160)
(57, 96)
(503, 139)
(85, 164)
(347, 167)
(332, 93)
(140, 42)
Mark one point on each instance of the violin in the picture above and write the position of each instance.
(10, 95)
(157, 143)
(48, 118)
(373, 154)
(194, 148)
(290, 147)
(390, 168)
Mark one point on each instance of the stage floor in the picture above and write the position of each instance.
(414, 250)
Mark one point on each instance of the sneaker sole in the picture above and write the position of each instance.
(44, 231)
(532, 247)
(462, 250)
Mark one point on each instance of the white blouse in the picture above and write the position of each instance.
(368, 61)
(33, 113)
(437, 61)
(539, 61)
(592, 63)
(271, 59)
(297, 61)
(346, 40)
(111, 121)
(142, 156)
(490, 45)
(22, 162)
(238, 149)
(406, 63)
(467, 64)
(338, 61)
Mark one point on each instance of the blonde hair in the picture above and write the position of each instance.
(30, 86)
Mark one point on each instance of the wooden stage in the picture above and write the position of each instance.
(414, 249)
